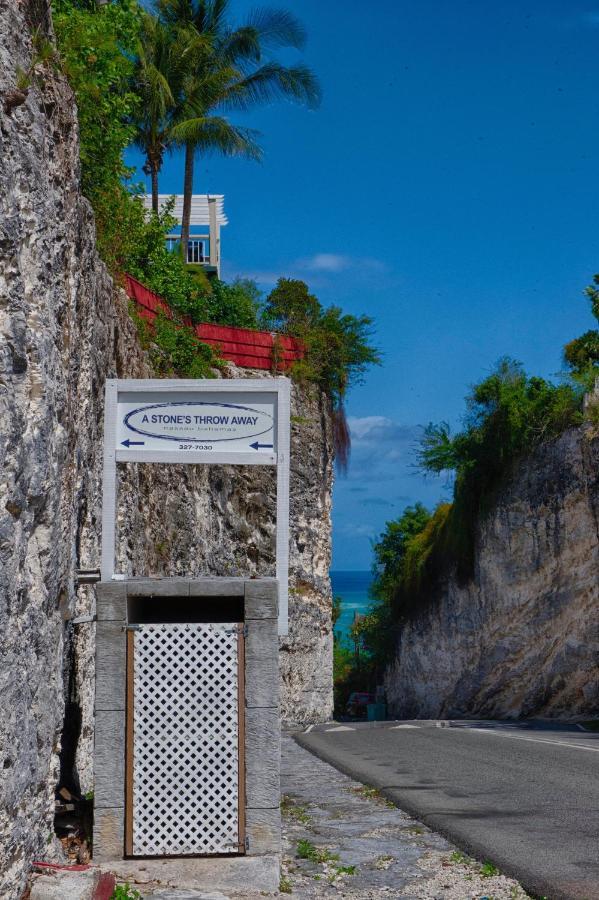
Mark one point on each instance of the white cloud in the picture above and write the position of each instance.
(326, 262)
(360, 427)
(337, 262)
(319, 265)
(382, 450)
(370, 430)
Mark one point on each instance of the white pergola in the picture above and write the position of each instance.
(201, 205)
(206, 209)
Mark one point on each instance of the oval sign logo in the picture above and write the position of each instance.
(197, 421)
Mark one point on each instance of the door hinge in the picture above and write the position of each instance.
(131, 627)
(87, 576)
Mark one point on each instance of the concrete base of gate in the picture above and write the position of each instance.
(259, 869)
(235, 875)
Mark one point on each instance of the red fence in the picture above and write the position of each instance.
(242, 346)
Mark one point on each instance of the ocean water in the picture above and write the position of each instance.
(353, 588)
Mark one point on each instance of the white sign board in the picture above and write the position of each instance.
(217, 421)
(184, 423)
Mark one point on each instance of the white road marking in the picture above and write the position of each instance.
(395, 727)
(308, 729)
(517, 737)
(341, 728)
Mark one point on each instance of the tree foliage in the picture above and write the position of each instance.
(97, 45)
(168, 78)
(227, 68)
(182, 352)
(235, 304)
(389, 551)
(157, 77)
(508, 415)
(394, 554)
(338, 348)
(581, 355)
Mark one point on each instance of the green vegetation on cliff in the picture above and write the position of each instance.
(582, 354)
(162, 80)
(508, 414)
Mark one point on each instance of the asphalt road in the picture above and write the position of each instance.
(524, 796)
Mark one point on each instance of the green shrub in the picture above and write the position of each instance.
(144, 330)
(583, 351)
(581, 355)
(236, 304)
(390, 550)
(337, 346)
(97, 44)
(125, 892)
(344, 668)
(399, 552)
(424, 548)
(185, 354)
(508, 415)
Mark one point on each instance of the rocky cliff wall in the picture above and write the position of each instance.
(204, 520)
(63, 330)
(521, 638)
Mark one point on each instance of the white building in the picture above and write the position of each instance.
(207, 211)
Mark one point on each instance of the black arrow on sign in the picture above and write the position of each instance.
(129, 443)
(257, 446)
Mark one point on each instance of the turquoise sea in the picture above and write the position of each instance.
(352, 587)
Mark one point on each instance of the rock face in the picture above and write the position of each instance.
(63, 330)
(522, 638)
(205, 520)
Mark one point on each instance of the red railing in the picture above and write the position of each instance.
(242, 346)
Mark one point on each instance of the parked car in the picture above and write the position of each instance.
(357, 703)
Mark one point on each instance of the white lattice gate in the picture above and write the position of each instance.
(185, 766)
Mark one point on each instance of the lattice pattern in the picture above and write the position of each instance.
(185, 756)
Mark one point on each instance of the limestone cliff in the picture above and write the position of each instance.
(64, 329)
(522, 637)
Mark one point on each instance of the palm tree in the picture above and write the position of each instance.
(234, 74)
(157, 80)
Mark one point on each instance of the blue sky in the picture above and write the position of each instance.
(448, 186)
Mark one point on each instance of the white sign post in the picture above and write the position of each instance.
(236, 421)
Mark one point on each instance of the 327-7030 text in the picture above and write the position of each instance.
(195, 446)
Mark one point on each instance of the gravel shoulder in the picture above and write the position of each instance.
(359, 845)
(343, 839)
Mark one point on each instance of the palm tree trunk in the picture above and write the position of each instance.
(187, 193)
(154, 177)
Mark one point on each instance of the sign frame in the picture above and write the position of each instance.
(279, 386)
